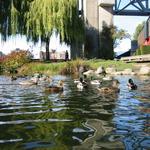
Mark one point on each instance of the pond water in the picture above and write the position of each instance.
(87, 120)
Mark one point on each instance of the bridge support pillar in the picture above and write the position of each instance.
(96, 14)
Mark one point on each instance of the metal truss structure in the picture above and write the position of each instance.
(132, 7)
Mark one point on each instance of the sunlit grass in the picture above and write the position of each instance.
(119, 65)
(70, 67)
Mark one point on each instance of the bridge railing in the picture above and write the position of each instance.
(139, 58)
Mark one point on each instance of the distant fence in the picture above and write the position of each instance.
(139, 58)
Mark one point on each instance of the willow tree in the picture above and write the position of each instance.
(38, 19)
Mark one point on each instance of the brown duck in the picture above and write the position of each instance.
(55, 88)
(111, 89)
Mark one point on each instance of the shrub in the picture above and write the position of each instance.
(145, 50)
(16, 59)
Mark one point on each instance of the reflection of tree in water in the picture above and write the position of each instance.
(42, 130)
(78, 119)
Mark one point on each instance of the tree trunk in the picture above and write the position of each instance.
(47, 48)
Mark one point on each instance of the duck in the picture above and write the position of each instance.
(76, 81)
(131, 85)
(55, 88)
(88, 73)
(13, 78)
(111, 89)
(32, 81)
(95, 82)
(82, 84)
(108, 78)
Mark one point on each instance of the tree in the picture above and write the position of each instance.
(110, 38)
(118, 35)
(106, 43)
(38, 19)
(138, 30)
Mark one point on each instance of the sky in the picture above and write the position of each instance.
(128, 23)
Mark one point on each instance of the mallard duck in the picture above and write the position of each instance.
(82, 84)
(55, 88)
(32, 81)
(131, 85)
(13, 78)
(111, 89)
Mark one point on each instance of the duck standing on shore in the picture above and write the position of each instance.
(131, 85)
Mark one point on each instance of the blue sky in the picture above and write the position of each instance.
(127, 23)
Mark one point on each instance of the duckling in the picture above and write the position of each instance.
(112, 89)
(32, 81)
(55, 88)
(131, 85)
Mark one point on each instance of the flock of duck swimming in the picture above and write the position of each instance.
(81, 83)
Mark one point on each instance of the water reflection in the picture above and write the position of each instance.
(33, 119)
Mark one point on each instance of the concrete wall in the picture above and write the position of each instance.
(92, 28)
(105, 16)
(96, 13)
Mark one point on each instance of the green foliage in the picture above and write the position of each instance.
(38, 19)
(143, 50)
(16, 59)
(138, 30)
(46, 16)
(106, 43)
(70, 67)
(138, 51)
(119, 65)
(118, 35)
(39, 67)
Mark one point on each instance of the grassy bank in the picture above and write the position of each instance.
(70, 67)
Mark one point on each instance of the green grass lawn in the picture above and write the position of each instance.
(60, 67)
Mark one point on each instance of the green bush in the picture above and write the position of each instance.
(145, 50)
(138, 51)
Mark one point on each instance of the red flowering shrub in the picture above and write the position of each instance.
(16, 59)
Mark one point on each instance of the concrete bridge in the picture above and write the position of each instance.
(96, 14)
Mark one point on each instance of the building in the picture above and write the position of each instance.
(54, 55)
(144, 36)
